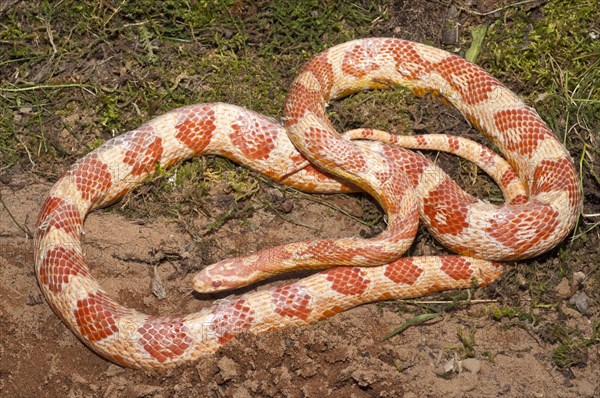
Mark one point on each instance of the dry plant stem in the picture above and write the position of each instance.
(21, 227)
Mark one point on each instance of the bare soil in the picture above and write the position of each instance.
(136, 249)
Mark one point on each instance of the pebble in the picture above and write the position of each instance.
(448, 370)
(228, 368)
(242, 392)
(471, 365)
(287, 206)
(578, 278)
(580, 301)
(450, 36)
(586, 389)
(563, 289)
(505, 390)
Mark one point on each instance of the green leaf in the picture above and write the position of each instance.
(413, 321)
(478, 34)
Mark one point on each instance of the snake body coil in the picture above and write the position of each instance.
(542, 190)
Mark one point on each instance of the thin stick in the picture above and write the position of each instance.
(48, 86)
(50, 37)
(27, 232)
(481, 301)
(518, 3)
(27, 150)
(591, 215)
(334, 207)
(284, 218)
(314, 199)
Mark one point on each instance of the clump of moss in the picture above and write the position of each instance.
(507, 312)
(572, 348)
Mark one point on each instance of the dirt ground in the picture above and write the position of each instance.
(534, 333)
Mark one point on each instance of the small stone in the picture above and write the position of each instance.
(450, 366)
(586, 389)
(563, 289)
(449, 370)
(578, 278)
(505, 390)
(78, 379)
(540, 97)
(274, 195)
(242, 392)
(287, 206)
(471, 365)
(570, 312)
(450, 36)
(228, 368)
(522, 281)
(580, 301)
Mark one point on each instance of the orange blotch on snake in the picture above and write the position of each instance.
(165, 338)
(56, 213)
(453, 143)
(59, 266)
(508, 177)
(91, 176)
(360, 60)
(231, 317)
(331, 311)
(421, 139)
(519, 200)
(473, 84)
(144, 150)
(456, 267)
(528, 129)
(263, 133)
(404, 271)
(322, 70)
(291, 301)
(302, 100)
(557, 175)
(96, 316)
(196, 127)
(407, 60)
(347, 280)
(540, 220)
(447, 208)
(413, 163)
